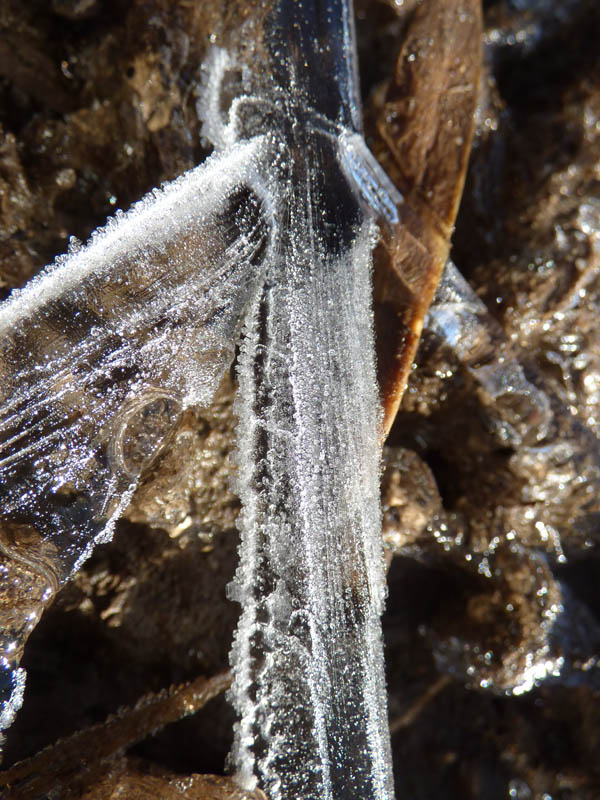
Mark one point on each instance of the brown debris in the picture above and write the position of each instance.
(423, 139)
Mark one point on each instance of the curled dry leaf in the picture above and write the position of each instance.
(423, 139)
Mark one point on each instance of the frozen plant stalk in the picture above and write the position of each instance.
(309, 681)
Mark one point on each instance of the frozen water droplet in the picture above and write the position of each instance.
(144, 430)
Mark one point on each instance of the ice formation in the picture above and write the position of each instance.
(273, 234)
(99, 356)
(103, 350)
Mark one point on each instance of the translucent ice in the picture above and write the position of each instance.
(103, 350)
(98, 357)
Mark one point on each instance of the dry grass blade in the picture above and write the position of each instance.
(86, 753)
(424, 140)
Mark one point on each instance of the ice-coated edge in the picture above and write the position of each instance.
(145, 221)
(9, 708)
(368, 177)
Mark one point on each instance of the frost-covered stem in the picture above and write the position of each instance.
(309, 680)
